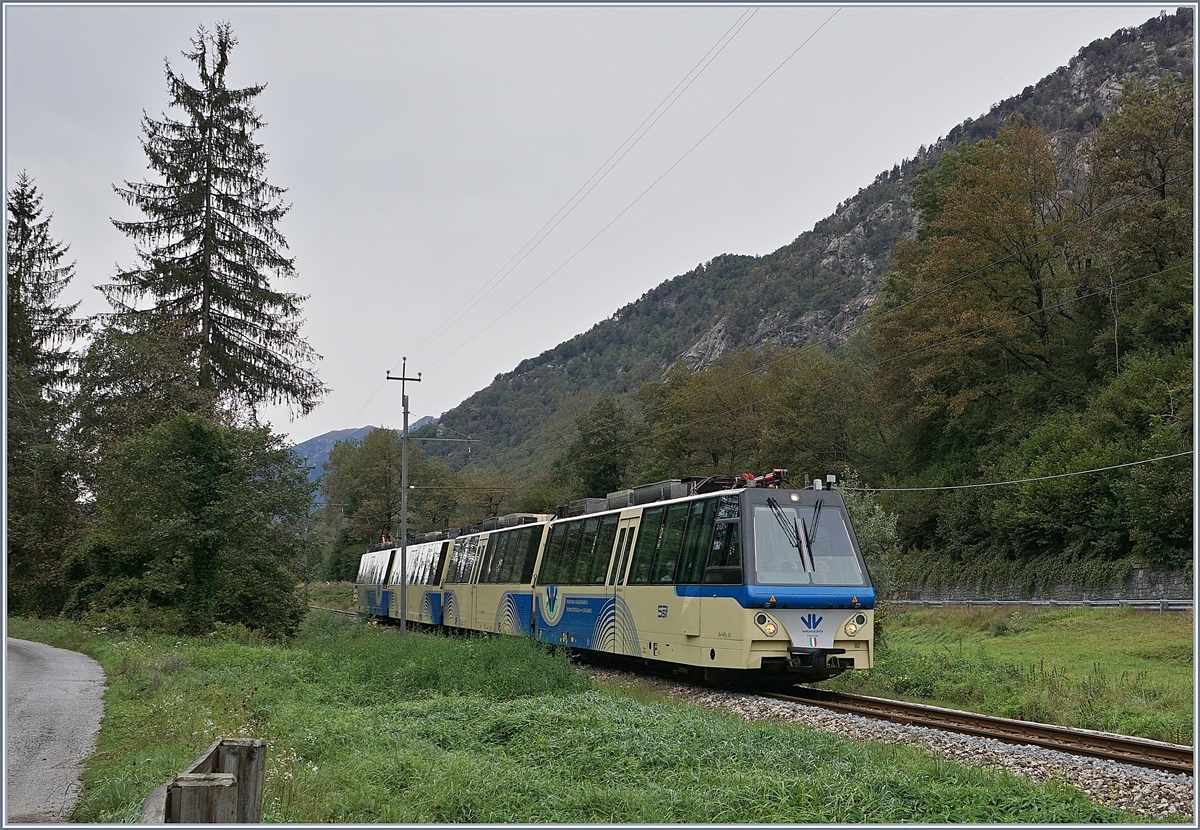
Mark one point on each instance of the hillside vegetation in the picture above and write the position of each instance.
(815, 290)
(1013, 305)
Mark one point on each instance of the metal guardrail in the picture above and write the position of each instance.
(1150, 604)
(223, 786)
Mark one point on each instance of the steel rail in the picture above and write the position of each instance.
(1130, 750)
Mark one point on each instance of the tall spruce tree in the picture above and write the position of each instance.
(43, 515)
(210, 243)
(40, 332)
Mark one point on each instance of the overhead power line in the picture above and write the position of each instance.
(639, 197)
(1016, 481)
(595, 179)
(575, 200)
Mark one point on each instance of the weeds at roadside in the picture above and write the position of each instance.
(363, 726)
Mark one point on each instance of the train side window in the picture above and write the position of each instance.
(727, 508)
(587, 550)
(696, 541)
(604, 550)
(549, 574)
(440, 566)
(507, 553)
(566, 565)
(620, 544)
(647, 543)
(668, 547)
(424, 560)
(457, 560)
(503, 556)
(489, 559)
(513, 556)
(530, 544)
(481, 549)
(725, 558)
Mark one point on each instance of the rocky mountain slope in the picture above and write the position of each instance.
(815, 289)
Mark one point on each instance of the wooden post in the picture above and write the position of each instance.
(222, 786)
(204, 798)
(245, 758)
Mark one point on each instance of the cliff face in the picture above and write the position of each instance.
(813, 290)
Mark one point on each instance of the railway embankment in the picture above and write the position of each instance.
(1142, 585)
(365, 726)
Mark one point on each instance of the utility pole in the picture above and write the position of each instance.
(404, 494)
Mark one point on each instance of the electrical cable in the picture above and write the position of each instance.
(693, 74)
(636, 136)
(1016, 481)
(638, 198)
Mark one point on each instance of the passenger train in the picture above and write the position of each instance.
(723, 577)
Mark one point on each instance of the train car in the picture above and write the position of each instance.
(733, 577)
(371, 594)
(730, 582)
(477, 578)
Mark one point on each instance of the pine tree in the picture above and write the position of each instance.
(40, 332)
(43, 513)
(210, 244)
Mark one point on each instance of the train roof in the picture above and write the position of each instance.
(670, 489)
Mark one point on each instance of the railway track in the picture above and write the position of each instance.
(1139, 751)
(334, 610)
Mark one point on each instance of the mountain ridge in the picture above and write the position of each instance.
(815, 289)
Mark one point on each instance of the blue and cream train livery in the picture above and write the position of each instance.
(728, 576)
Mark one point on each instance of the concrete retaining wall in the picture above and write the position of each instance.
(1142, 584)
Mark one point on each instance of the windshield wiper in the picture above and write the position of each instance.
(796, 533)
(812, 537)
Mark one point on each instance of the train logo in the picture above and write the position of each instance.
(811, 621)
(551, 606)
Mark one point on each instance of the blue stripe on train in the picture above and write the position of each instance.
(785, 596)
(515, 614)
(581, 623)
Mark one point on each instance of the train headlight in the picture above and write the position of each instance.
(768, 625)
(854, 624)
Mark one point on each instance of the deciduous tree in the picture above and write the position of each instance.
(200, 522)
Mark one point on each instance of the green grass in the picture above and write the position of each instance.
(1115, 670)
(338, 595)
(363, 726)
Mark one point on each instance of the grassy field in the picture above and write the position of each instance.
(363, 726)
(1116, 670)
(338, 595)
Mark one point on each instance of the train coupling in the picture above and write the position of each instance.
(801, 658)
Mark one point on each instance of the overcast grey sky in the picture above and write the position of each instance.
(423, 146)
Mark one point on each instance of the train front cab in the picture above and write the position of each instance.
(707, 582)
(808, 591)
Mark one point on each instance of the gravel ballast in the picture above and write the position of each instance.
(1146, 792)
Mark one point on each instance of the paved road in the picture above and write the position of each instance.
(53, 709)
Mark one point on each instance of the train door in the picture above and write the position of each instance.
(626, 532)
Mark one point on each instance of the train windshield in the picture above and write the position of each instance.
(804, 545)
